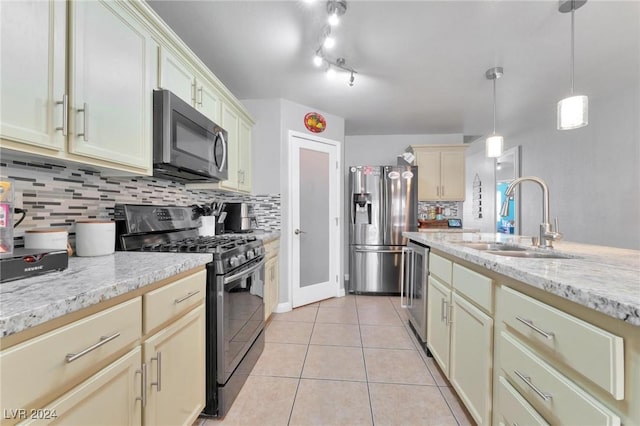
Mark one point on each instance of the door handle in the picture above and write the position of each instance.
(298, 232)
(158, 360)
(143, 380)
(405, 251)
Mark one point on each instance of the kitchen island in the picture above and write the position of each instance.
(535, 340)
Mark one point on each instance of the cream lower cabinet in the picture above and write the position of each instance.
(272, 280)
(111, 397)
(104, 369)
(460, 334)
(175, 362)
(441, 172)
(105, 53)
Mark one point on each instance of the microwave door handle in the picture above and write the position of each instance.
(224, 151)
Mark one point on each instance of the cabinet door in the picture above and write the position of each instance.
(175, 359)
(111, 84)
(428, 175)
(208, 102)
(471, 358)
(452, 176)
(230, 122)
(109, 397)
(176, 76)
(275, 289)
(244, 156)
(268, 284)
(33, 73)
(438, 311)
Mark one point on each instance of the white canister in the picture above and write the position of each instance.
(95, 238)
(46, 238)
(208, 227)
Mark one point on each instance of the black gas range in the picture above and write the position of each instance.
(235, 290)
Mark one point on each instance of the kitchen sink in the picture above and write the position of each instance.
(492, 246)
(529, 254)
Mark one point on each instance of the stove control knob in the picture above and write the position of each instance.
(242, 258)
(234, 261)
(250, 254)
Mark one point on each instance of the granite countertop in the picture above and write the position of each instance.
(87, 281)
(606, 279)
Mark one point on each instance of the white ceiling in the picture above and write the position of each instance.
(421, 64)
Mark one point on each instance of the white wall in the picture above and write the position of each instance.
(478, 164)
(593, 172)
(266, 137)
(274, 119)
(384, 149)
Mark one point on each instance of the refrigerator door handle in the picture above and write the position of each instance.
(406, 252)
(377, 251)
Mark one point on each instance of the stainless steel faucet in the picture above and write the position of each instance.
(547, 235)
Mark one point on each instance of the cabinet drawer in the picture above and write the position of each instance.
(108, 396)
(166, 302)
(513, 409)
(596, 354)
(440, 267)
(42, 364)
(473, 285)
(553, 395)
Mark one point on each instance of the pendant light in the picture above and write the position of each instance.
(573, 111)
(494, 143)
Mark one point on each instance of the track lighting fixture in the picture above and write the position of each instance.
(573, 111)
(494, 143)
(335, 9)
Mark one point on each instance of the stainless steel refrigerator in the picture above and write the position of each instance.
(383, 203)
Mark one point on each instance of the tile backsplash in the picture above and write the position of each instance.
(455, 208)
(57, 195)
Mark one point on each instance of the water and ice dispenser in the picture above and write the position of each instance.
(361, 205)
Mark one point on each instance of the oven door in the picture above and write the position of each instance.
(240, 316)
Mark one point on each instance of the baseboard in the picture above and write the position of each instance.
(283, 307)
(341, 292)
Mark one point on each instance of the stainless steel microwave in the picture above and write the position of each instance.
(187, 146)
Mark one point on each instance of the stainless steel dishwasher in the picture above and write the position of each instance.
(413, 297)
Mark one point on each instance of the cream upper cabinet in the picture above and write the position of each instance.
(110, 79)
(230, 123)
(188, 85)
(175, 362)
(441, 172)
(244, 156)
(103, 116)
(32, 81)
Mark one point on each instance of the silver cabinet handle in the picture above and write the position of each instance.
(298, 232)
(143, 380)
(402, 277)
(443, 310)
(438, 190)
(528, 381)
(200, 91)
(442, 190)
(531, 325)
(224, 152)
(193, 93)
(65, 111)
(103, 340)
(85, 111)
(182, 299)
(158, 382)
(450, 314)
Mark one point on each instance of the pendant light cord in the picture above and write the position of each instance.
(573, 10)
(494, 105)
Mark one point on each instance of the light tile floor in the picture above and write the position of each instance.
(344, 361)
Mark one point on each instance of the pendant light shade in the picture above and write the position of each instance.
(494, 146)
(573, 111)
(494, 143)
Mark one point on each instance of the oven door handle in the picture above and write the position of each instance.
(249, 271)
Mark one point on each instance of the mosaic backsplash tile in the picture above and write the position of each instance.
(56, 195)
(453, 206)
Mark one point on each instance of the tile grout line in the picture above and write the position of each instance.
(295, 395)
(364, 361)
